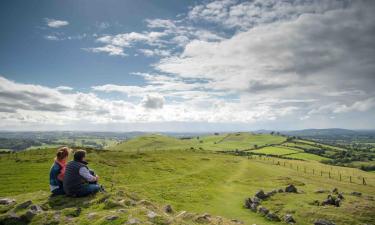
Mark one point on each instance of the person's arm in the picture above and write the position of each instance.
(85, 173)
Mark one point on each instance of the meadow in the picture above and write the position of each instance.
(203, 180)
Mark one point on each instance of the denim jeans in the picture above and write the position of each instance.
(88, 189)
(58, 191)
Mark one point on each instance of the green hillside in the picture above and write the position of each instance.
(231, 141)
(199, 182)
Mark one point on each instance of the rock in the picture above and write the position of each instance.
(7, 201)
(335, 191)
(271, 193)
(289, 219)
(133, 221)
(111, 217)
(358, 194)
(291, 189)
(261, 195)
(248, 203)
(168, 209)
(92, 215)
(263, 210)
(315, 202)
(24, 205)
(337, 202)
(272, 217)
(36, 208)
(280, 190)
(329, 201)
(321, 191)
(340, 196)
(256, 200)
(121, 211)
(236, 221)
(13, 218)
(205, 218)
(323, 222)
(253, 207)
(151, 215)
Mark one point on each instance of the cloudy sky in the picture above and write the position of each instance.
(169, 65)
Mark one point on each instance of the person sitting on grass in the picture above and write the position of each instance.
(79, 180)
(57, 171)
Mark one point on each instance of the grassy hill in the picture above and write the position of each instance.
(194, 180)
(231, 141)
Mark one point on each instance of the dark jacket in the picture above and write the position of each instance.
(73, 181)
(54, 172)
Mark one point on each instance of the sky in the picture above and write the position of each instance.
(185, 66)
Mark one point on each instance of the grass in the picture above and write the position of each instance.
(278, 151)
(306, 156)
(202, 181)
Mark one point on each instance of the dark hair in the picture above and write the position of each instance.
(62, 153)
(79, 155)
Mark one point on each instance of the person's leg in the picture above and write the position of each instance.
(88, 189)
(58, 191)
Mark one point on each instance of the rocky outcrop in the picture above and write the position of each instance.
(323, 222)
(291, 189)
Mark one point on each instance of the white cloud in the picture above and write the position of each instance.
(64, 88)
(52, 37)
(153, 101)
(56, 23)
(110, 49)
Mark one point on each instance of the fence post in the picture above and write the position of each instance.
(363, 181)
(340, 176)
(284, 163)
(297, 167)
(313, 171)
(321, 173)
(350, 178)
(329, 174)
(304, 169)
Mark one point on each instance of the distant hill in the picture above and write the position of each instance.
(321, 132)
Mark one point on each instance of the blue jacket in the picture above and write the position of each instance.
(55, 171)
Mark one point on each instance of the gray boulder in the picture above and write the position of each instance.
(111, 217)
(248, 203)
(254, 207)
(168, 209)
(151, 214)
(291, 189)
(358, 194)
(280, 190)
(289, 219)
(273, 217)
(7, 201)
(323, 222)
(133, 221)
(263, 210)
(24, 205)
(205, 218)
(261, 195)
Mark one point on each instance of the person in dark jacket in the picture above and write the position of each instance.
(79, 180)
(57, 171)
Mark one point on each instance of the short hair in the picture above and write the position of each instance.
(62, 153)
(79, 155)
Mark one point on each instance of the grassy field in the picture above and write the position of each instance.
(276, 151)
(203, 181)
(233, 141)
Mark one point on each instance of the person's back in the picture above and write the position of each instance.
(72, 179)
(79, 180)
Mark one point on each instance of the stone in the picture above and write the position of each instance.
(288, 218)
(272, 217)
(271, 193)
(168, 209)
(24, 205)
(261, 195)
(36, 208)
(280, 190)
(152, 214)
(248, 203)
(92, 215)
(256, 200)
(254, 207)
(291, 189)
(358, 194)
(7, 201)
(133, 221)
(323, 222)
(321, 191)
(263, 210)
(205, 218)
(121, 211)
(111, 217)
(12, 218)
(340, 196)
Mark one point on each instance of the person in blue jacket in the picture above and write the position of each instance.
(57, 172)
